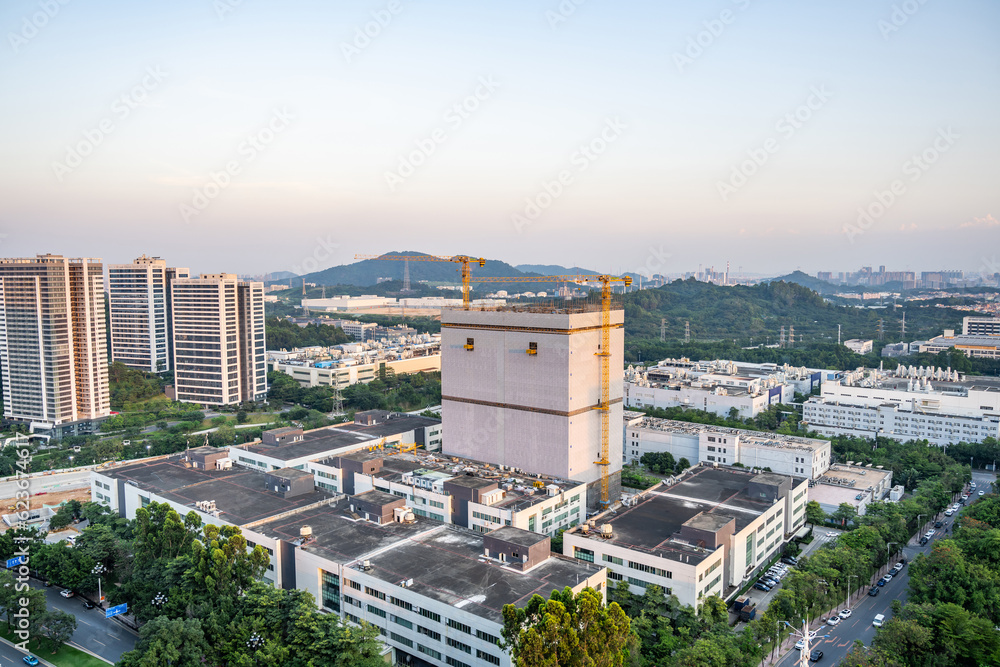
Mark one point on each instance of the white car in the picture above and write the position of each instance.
(67, 593)
(879, 620)
(799, 645)
(845, 613)
(897, 567)
(831, 534)
(833, 620)
(888, 578)
(982, 493)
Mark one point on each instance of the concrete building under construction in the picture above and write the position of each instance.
(522, 388)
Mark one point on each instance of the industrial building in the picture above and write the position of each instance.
(717, 386)
(707, 533)
(53, 346)
(702, 443)
(218, 340)
(978, 345)
(859, 346)
(909, 403)
(981, 326)
(522, 387)
(851, 484)
(435, 592)
(139, 299)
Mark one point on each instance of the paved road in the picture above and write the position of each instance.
(864, 608)
(762, 599)
(57, 482)
(103, 636)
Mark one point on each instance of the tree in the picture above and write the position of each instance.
(713, 610)
(58, 627)
(178, 642)
(566, 630)
(221, 567)
(814, 513)
(682, 465)
(844, 514)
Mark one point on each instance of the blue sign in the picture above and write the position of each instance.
(14, 562)
(116, 611)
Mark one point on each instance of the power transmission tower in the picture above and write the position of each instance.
(663, 329)
(406, 275)
(881, 330)
(902, 327)
(303, 287)
(338, 400)
(781, 341)
(324, 291)
(791, 336)
(838, 334)
(687, 332)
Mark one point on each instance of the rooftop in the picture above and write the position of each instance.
(319, 442)
(390, 427)
(240, 495)
(717, 494)
(445, 563)
(757, 438)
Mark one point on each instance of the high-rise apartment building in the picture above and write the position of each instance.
(521, 389)
(139, 295)
(53, 349)
(218, 324)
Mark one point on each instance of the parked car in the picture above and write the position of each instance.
(816, 656)
(846, 613)
(982, 493)
(888, 577)
(762, 587)
(30, 660)
(833, 620)
(771, 582)
(873, 591)
(902, 560)
(790, 560)
(880, 582)
(949, 512)
(938, 524)
(879, 620)
(66, 593)
(897, 567)
(923, 540)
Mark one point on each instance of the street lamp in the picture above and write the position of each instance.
(918, 522)
(98, 570)
(158, 601)
(888, 554)
(849, 589)
(806, 638)
(148, 447)
(254, 644)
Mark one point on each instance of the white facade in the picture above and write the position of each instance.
(53, 349)
(344, 375)
(783, 454)
(219, 346)
(859, 346)
(981, 326)
(520, 389)
(926, 404)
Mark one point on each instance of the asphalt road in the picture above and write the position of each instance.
(103, 636)
(864, 608)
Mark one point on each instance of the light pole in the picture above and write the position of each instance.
(918, 523)
(806, 638)
(888, 554)
(849, 589)
(158, 601)
(254, 644)
(99, 570)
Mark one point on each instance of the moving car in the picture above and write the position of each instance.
(87, 604)
(938, 524)
(66, 593)
(30, 660)
(923, 540)
(873, 591)
(879, 620)
(831, 534)
(846, 613)
(816, 656)
(833, 620)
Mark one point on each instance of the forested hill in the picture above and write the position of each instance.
(806, 280)
(725, 313)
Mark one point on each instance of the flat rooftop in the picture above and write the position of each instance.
(747, 437)
(718, 493)
(862, 477)
(240, 494)
(445, 562)
(321, 442)
(391, 427)
(522, 493)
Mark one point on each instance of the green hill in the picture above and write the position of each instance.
(804, 279)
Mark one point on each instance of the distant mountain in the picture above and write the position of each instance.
(367, 272)
(554, 270)
(804, 279)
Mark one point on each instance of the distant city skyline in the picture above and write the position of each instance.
(255, 137)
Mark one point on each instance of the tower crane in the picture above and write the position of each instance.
(464, 260)
(604, 353)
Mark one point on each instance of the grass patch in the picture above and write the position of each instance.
(66, 656)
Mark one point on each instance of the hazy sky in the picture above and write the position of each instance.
(252, 136)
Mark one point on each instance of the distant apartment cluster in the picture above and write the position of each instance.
(54, 341)
(868, 275)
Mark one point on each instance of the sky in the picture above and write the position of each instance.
(251, 136)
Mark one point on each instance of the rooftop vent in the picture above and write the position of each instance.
(305, 532)
(606, 530)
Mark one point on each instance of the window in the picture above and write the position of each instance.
(650, 569)
(402, 621)
(355, 585)
(331, 591)
(612, 559)
(372, 609)
(454, 643)
(483, 655)
(429, 651)
(431, 615)
(455, 663)
(401, 603)
(486, 637)
(429, 633)
(459, 626)
(583, 554)
(470, 343)
(401, 639)
(374, 593)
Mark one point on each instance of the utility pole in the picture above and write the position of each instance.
(902, 327)
(663, 329)
(687, 332)
(781, 341)
(791, 336)
(838, 334)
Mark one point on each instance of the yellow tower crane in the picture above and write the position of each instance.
(604, 352)
(464, 260)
